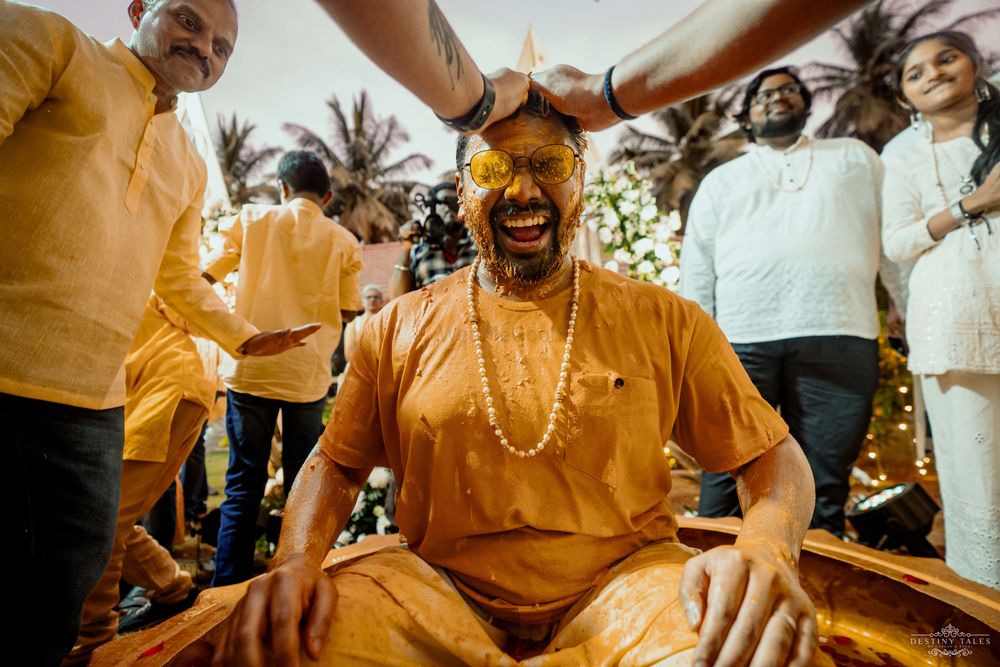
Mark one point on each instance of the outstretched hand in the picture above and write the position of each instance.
(745, 600)
(286, 613)
(576, 94)
(268, 343)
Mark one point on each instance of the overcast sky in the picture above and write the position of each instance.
(290, 57)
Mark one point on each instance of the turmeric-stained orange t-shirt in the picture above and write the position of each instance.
(646, 363)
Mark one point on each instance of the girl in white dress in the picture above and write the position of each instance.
(941, 208)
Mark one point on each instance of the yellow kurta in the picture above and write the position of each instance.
(100, 198)
(163, 368)
(295, 266)
(514, 532)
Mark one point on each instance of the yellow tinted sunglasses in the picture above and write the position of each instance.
(494, 168)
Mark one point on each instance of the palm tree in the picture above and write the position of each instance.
(866, 107)
(241, 162)
(368, 193)
(694, 143)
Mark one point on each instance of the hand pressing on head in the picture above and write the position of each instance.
(511, 92)
(578, 94)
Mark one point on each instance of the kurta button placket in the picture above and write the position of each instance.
(140, 175)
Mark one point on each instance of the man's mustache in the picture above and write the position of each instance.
(191, 51)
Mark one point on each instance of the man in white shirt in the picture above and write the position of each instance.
(293, 262)
(782, 248)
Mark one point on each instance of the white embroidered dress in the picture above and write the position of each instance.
(953, 330)
(953, 311)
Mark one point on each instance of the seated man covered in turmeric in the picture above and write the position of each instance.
(522, 404)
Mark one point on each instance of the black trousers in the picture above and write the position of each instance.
(823, 386)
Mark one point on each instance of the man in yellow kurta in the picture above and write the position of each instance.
(168, 395)
(101, 195)
(294, 263)
(523, 405)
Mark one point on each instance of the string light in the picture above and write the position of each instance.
(872, 455)
(904, 389)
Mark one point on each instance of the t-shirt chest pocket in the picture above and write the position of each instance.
(613, 425)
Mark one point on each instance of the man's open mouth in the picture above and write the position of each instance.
(525, 229)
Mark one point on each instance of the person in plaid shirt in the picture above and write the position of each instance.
(423, 261)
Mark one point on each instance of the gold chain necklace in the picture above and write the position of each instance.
(563, 370)
(968, 185)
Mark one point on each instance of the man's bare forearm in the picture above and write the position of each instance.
(401, 281)
(415, 45)
(318, 508)
(777, 494)
(718, 43)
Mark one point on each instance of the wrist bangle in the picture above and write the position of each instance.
(958, 214)
(400, 267)
(477, 115)
(609, 97)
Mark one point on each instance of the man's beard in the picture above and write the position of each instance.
(782, 127)
(524, 269)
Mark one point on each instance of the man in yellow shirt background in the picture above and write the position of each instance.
(101, 193)
(293, 262)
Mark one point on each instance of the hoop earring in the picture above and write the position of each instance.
(983, 92)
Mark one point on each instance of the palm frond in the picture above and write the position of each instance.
(920, 15)
(983, 15)
(308, 140)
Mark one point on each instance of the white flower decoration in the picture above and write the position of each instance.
(380, 478)
(643, 247)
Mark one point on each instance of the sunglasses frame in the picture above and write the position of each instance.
(513, 160)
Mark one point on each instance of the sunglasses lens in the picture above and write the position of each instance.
(491, 168)
(553, 164)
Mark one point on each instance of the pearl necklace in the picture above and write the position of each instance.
(563, 370)
(776, 179)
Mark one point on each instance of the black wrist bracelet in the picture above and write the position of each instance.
(477, 115)
(609, 97)
(968, 216)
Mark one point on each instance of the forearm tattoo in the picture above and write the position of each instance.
(445, 41)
